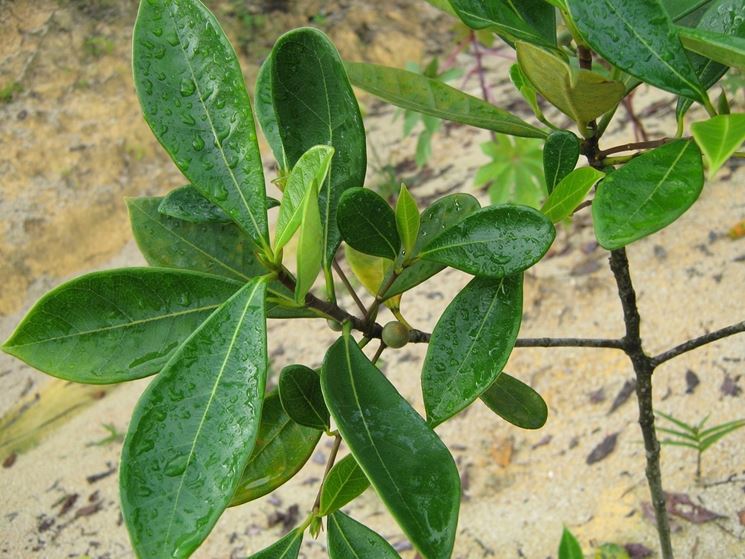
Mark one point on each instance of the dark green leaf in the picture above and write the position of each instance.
(367, 223)
(471, 344)
(638, 37)
(193, 430)
(725, 49)
(405, 461)
(647, 194)
(496, 241)
(569, 547)
(348, 539)
(681, 9)
(432, 97)
(186, 203)
(516, 402)
(570, 192)
(346, 481)
(116, 325)
(282, 448)
(193, 97)
(302, 400)
(719, 138)
(265, 113)
(286, 548)
(315, 105)
(560, 156)
(499, 16)
(541, 16)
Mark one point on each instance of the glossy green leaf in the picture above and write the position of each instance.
(541, 16)
(569, 546)
(722, 16)
(471, 344)
(719, 138)
(496, 241)
(193, 97)
(309, 249)
(311, 169)
(215, 248)
(348, 539)
(647, 194)
(516, 402)
(287, 547)
(265, 114)
(651, 50)
(367, 223)
(315, 105)
(580, 94)
(525, 88)
(405, 461)
(560, 156)
(345, 482)
(432, 97)
(499, 16)
(725, 49)
(193, 430)
(437, 218)
(680, 9)
(302, 400)
(407, 219)
(116, 325)
(568, 194)
(282, 449)
(188, 204)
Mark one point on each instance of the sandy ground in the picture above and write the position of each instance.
(73, 152)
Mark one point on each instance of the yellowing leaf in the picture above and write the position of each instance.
(719, 138)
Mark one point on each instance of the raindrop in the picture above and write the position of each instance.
(176, 466)
(198, 143)
(187, 87)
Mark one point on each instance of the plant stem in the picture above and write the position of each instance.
(329, 465)
(632, 146)
(698, 342)
(345, 280)
(569, 342)
(379, 352)
(643, 367)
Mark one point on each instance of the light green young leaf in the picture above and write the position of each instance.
(346, 481)
(516, 402)
(407, 219)
(432, 97)
(719, 138)
(525, 88)
(310, 170)
(286, 548)
(725, 49)
(116, 325)
(349, 539)
(569, 547)
(194, 428)
(193, 96)
(309, 250)
(647, 194)
(570, 192)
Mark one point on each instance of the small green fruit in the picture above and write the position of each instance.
(395, 334)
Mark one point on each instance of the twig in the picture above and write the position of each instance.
(329, 465)
(632, 146)
(639, 131)
(379, 352)
(698, 342)
(569, 342)
(348, 285)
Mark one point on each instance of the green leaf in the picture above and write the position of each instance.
(311, 169)
(407, 220)
(345, 482)
(309, 250)
(712, 435)
(286, 548)
(302, 400)
(680, 9)
(719, 138)
(193, 97)
(188, 204)
(522, 84)
(570, 192)
(215, 248)
(405, 461)
(498, 16)
(725, 49)
(348, 539)
(367, 223)
(560, 156)
(515, 174)
(432, 97)
(471, 344)
(265, 113)
(611, 551)
(516, 402)
(541, 16)
(496, 241)
(440, 216)
(193, 430)
(647, 194)
(315, 105)
(569, 547)
(650, 49)
(580, 94)
(116, 325)
(282, 449)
